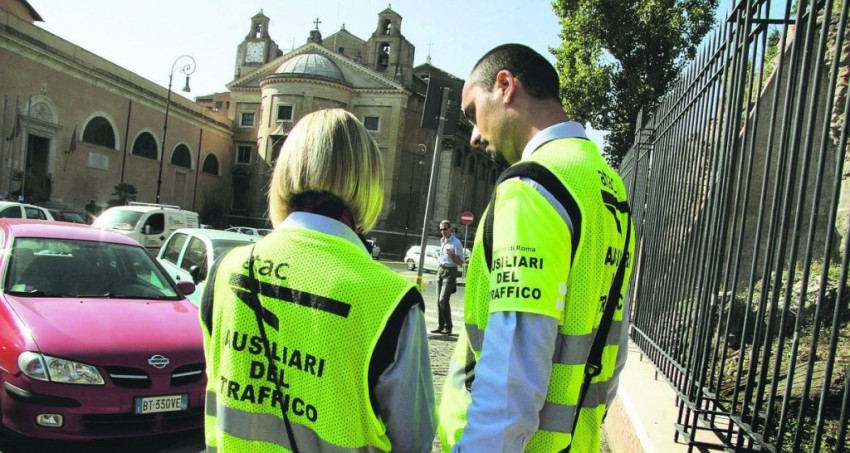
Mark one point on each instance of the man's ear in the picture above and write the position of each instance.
(506, 83)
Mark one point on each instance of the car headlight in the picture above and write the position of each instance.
(52, 369)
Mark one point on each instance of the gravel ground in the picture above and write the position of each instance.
(441, 349)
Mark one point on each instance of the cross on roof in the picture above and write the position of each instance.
(317, 22)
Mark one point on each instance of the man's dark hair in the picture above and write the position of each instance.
(537, 75)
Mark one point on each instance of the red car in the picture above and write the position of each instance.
(96, 341)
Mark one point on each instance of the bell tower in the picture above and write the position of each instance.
(387, 51)
(257, 48)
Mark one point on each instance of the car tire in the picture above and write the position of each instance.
(410, 265)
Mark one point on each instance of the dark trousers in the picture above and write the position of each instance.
(446, 286)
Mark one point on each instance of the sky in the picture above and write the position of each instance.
(146, 37)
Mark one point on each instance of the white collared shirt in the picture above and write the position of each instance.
(567, 129)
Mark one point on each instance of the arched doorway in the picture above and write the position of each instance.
(38, 181)
(34, 167)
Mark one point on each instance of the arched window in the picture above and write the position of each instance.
(387, 27)
(210, 165)
(384, 55)
(145, 146)
(181, 157)
(99, 132)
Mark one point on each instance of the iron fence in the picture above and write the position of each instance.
(742, 211)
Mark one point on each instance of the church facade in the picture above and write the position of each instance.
(220, 150)
(376, 80)
(75, 126)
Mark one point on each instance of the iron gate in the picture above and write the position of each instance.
(742, 211)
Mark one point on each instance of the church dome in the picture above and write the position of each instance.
(311, 64)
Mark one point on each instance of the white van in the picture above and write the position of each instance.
(148, 223)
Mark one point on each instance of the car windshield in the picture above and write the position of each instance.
(220, 247)
(54, 267)
(118, 219)
(74, 217)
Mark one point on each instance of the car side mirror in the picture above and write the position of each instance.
(195, 272)
(186, 287)
(147, 229)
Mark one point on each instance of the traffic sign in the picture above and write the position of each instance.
(466, 218)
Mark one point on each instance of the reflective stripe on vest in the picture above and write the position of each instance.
(269, 428)
(559, 417)
(569, 350)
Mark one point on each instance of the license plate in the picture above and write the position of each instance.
(167, 403)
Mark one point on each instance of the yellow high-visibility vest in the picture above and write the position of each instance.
(327, 303)
(519, 283)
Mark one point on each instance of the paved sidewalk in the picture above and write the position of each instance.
(642, 418)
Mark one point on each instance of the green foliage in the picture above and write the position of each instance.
(214, 210)
(771, 53)
(124, 193)
(618, 56)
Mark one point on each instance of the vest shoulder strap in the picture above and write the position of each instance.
(548, 181)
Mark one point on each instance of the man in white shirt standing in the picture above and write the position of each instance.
(451, 256)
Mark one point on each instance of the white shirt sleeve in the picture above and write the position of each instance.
(405, 390)
(511, 381)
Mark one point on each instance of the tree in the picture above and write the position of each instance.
(124, 194)
(214, 210)
(618, 56)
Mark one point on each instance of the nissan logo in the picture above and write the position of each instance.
(158, 361)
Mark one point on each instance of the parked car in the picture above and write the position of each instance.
(432, 256)
(15, 210)
(189, 254)
(67, 216)
(148, 223)
(251, 231)
(376, 249)
(97, 340)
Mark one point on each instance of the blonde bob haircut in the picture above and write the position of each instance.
(330, 151)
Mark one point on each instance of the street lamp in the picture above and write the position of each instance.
(186, 66)
(416, 161)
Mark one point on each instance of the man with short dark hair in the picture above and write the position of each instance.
(92, 210)
(555, 236)
(451, 256)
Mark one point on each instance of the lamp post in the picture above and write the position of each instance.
(416, 161)
(186, 66)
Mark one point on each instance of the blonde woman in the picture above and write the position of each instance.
(311, 345)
